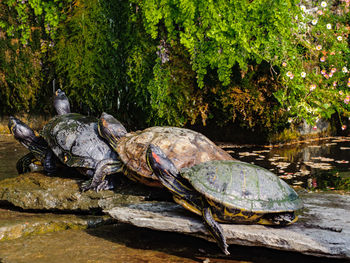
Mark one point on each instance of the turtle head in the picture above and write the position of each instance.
(111, 129)
(22, 132)
(61, 102)
(161, 165)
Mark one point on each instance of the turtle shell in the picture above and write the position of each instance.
(74, 139)
(183, 146)
(244, 186)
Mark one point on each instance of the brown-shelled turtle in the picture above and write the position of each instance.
(227, 191)
(184, 147)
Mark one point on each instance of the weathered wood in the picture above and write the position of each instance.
(323, 228)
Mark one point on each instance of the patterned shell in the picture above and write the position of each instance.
(242, 185)
(183, 146)
(75, 141)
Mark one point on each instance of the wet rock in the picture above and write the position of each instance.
(322, 230)
(36, 191)
(14, 224)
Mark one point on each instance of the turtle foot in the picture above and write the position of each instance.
(85, 186)
(104, 185)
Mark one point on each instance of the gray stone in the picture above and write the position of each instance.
(323, 228)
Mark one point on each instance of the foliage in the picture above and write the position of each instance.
(84, 56)
(19, 67)
(26, 31)
(219, 35)
(149, 62)
(316, 75)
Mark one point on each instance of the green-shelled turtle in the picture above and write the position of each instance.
(227, 191)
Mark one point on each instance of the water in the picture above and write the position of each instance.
(321, 165)
(313, 165)
(10, 152)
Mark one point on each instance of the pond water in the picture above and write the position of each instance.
(313, 165)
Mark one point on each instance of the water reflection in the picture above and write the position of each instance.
(10, 152)
(321, 164)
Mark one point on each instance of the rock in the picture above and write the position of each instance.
(36, 191)
(14, 224)
(322, 230)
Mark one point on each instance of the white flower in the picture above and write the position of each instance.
(339, 38)
(303, 8)
(303, 74)
(318, 47)
(314, 22)
(312, 87)
(329, 26)
(323, 4)
(344, 69)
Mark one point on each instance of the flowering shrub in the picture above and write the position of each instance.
(316, 74)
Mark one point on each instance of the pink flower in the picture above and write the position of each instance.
(343, 127)
(333, 70)
(326, 76)
(340, 92)
(323, 59)
(312, 87)
(323, 71)
(346, 100)
(348, 84)
(334, 83)
(284, 64)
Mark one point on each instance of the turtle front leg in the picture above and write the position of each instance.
(103, 168)
(215, 229)
(23, 163)
(49, 163)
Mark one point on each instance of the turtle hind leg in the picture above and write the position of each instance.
(23, 163)
(278, 219)
(215, 229)
(103, 168)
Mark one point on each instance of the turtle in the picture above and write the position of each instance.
(227, 191)
(184, 147)
(39, 151)
(73, 139)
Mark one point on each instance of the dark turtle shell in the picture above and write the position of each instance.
(183, 146)
(74, 139)
(244, 186)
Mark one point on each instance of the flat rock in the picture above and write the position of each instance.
(15, 224)
(36, 191)
(323, 228)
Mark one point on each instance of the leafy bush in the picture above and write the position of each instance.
(315, 75)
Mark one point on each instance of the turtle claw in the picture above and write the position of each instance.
(105, 185)
(85, 186)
